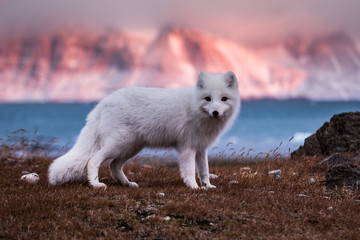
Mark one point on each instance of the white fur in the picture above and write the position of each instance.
(136, 117)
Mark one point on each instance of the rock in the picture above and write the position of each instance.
(275, 172)
(233, 182)
(161, 194)
(345, 174)
(311, 147)
(213, 176)
(30, 178)
(151, 216)
(167, 218)
(312, 180)
(340, 135)
(334, 160)
(301, 195)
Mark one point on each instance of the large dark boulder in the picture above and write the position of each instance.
(345, 174)
(340, 135)
(336, 159)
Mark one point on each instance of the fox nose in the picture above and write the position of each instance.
(215, 114)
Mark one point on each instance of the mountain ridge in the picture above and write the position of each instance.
(85, 66)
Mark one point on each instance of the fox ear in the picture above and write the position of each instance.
(231, 80)
(200, 81)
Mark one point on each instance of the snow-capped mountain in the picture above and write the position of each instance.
(333, 65)
(85, 66)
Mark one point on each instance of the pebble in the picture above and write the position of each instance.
(161, 194)
(167, 218)
(30, 178)
(301, 195)
(275, 172)
(233, 182)
(312, 180)
(213, 176)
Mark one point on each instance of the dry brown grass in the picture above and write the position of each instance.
(257, 206)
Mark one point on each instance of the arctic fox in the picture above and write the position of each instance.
(131, 118)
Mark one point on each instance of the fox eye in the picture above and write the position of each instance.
(224, 99)
(208, 99)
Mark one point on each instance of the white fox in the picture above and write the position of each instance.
(131, 118)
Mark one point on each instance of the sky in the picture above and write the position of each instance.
(240, 20)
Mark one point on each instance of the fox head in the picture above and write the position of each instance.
(217, 94)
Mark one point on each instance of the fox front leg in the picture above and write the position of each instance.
(187, 167)
(202, 166)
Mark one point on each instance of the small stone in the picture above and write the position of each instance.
(301, 195)
(167, 218)
(151, 216)
(161, 194)
(275, 172)
(312, 180)
(330, 208)
(30, 178)
(213, 176)
(233, 182)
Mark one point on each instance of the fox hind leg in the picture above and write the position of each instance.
(108, 152)
(116, 165)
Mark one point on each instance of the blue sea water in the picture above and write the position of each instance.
(262, 126)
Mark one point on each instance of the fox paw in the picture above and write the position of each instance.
(133, 184)
(191, 184)
(208, 186)
(213, 176)
(98, 185)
